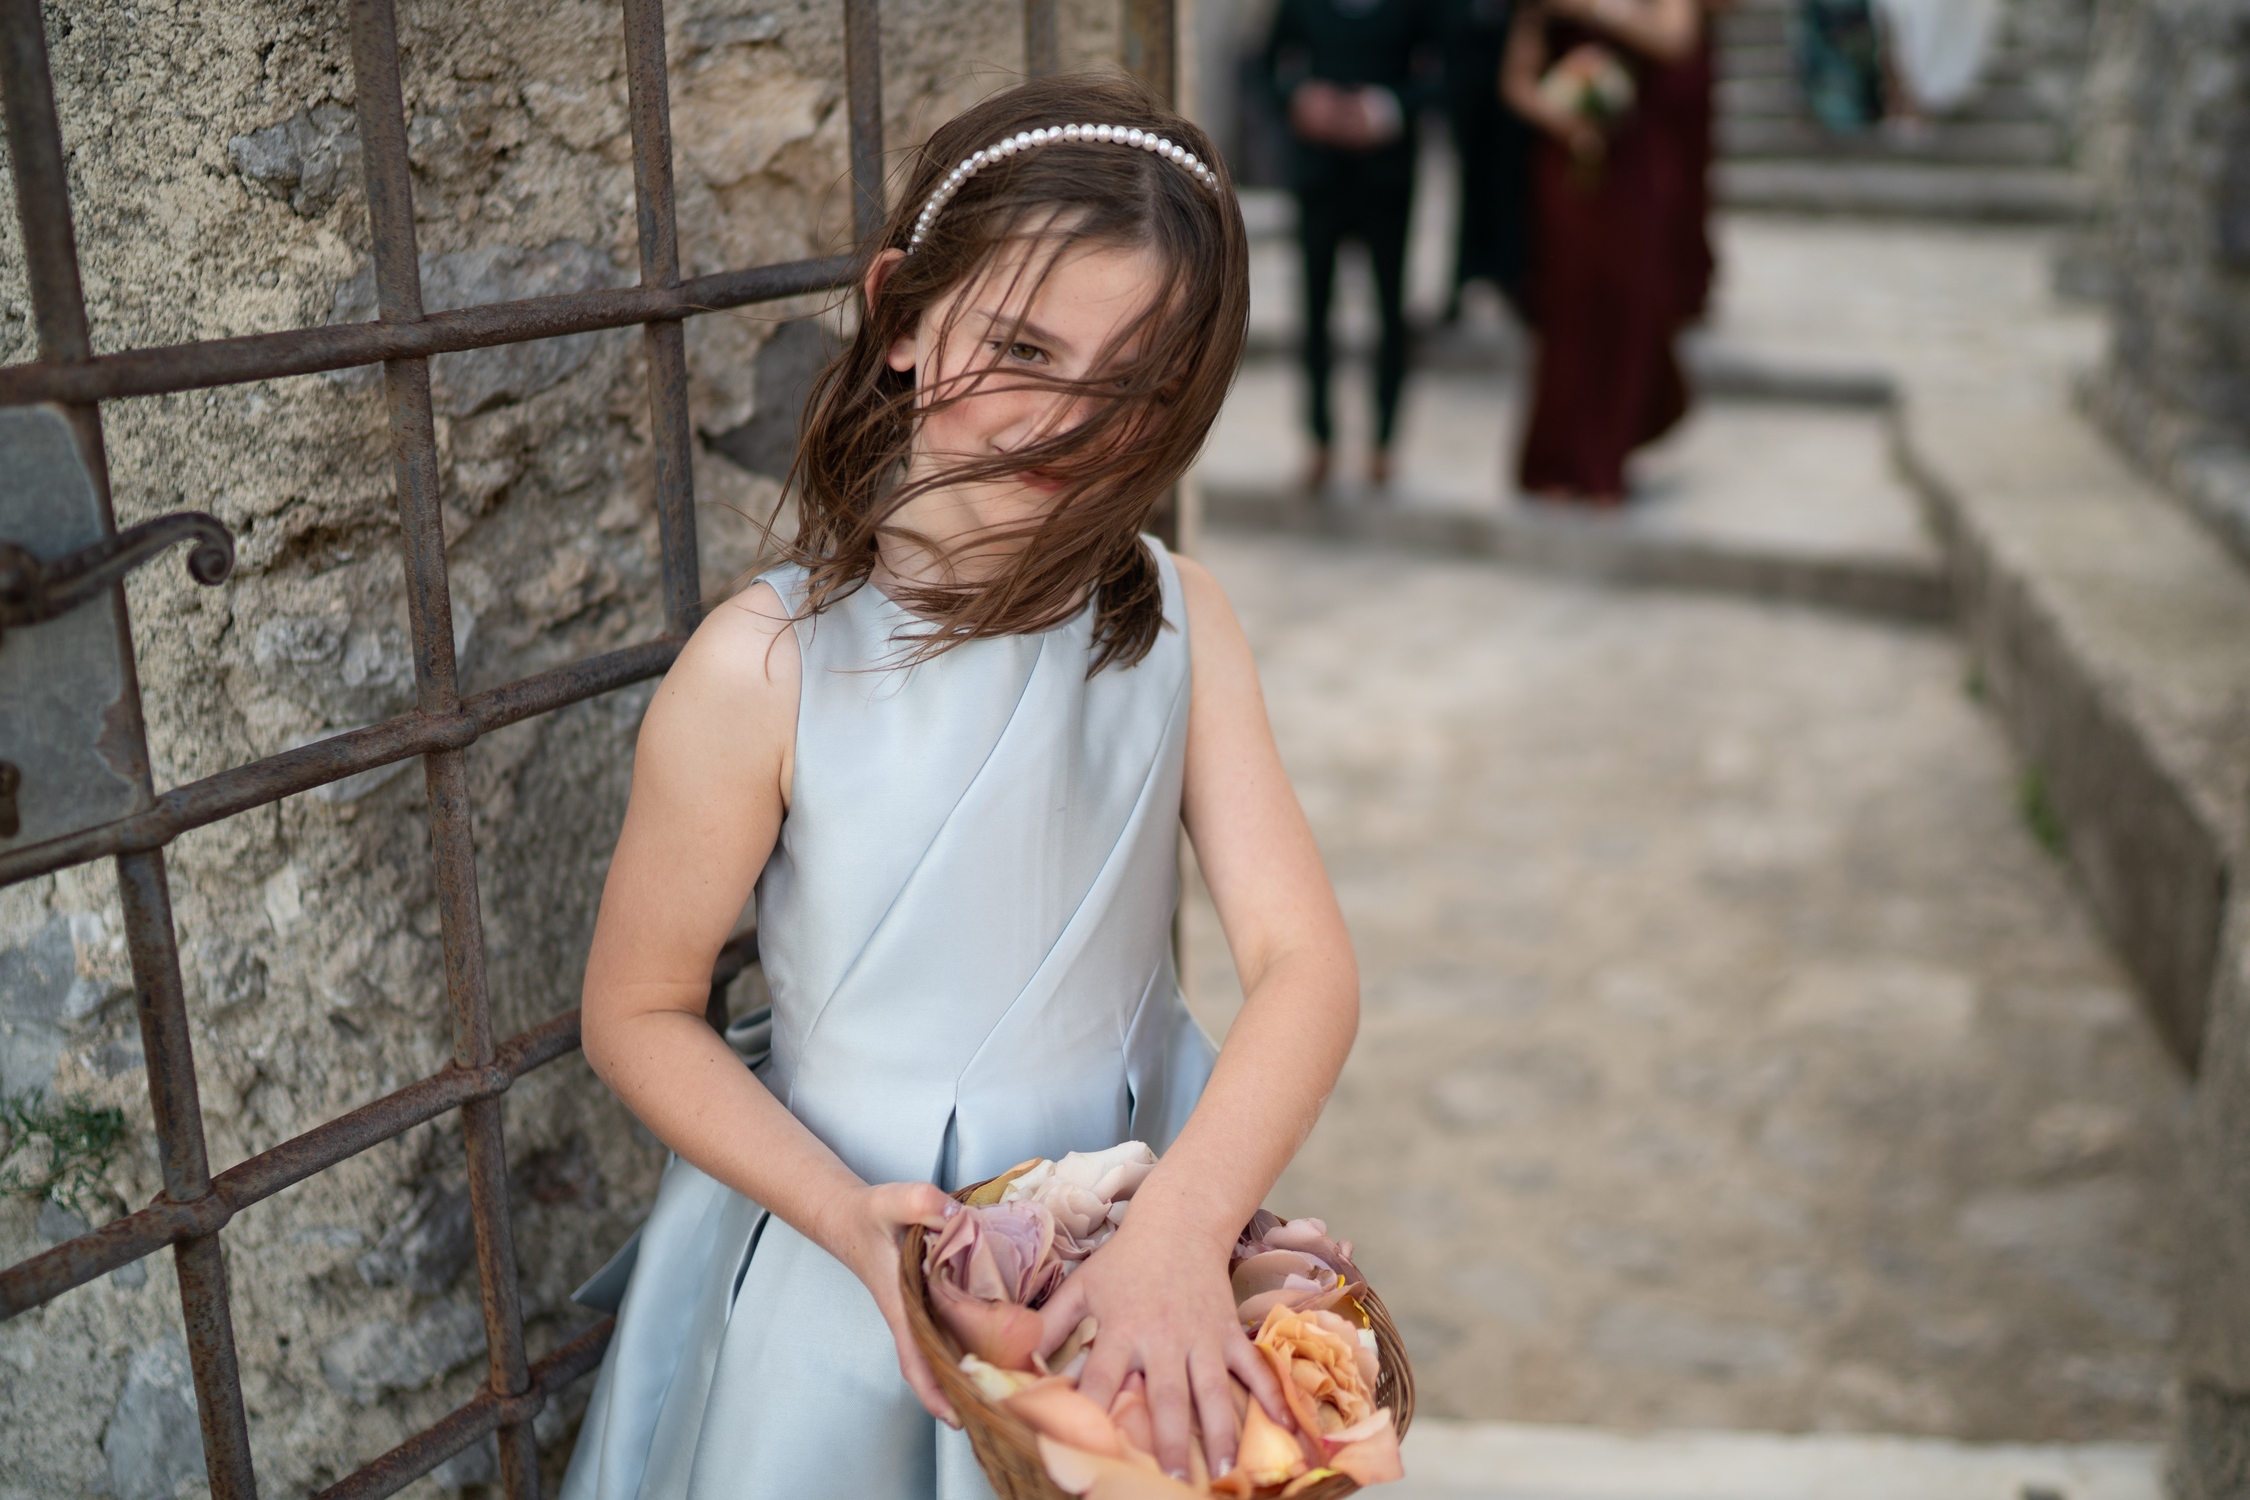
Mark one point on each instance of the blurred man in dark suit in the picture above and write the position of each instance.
(1351, 76)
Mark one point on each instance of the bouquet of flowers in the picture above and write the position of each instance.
(1589, 82)
(1311, 1314)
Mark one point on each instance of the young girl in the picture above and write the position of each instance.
(949, 744)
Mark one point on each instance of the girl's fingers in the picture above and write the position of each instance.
(1214, 1408)
(1107, 1365)
(1168, 1414)
(1249, 1366)
(1061, 1316)
(916, 1369)
(903, 1203)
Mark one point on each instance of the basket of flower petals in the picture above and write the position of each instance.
(972, 1294)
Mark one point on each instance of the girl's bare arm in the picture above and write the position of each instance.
(710, 784)
(1159, 1287)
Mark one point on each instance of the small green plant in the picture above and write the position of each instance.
(1973, 684)
(2039, 814)
(58, 1149)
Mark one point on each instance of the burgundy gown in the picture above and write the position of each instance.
(1624, 263)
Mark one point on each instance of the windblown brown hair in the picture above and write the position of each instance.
(1153, 401)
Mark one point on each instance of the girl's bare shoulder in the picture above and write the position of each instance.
(736, 678)
(1210, 618)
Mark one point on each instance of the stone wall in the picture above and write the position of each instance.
(218, 191)
(2210, 1453)
(2168, 136)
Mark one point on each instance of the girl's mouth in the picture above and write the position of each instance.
(1045, 481)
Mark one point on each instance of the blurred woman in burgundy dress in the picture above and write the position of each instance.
(1621, 92)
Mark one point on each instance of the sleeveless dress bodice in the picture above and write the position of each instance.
(966, 928)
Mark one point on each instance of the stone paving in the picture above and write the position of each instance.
(1734, 1055)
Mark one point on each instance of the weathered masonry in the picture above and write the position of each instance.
(535, 488)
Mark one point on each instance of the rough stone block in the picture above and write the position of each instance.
(307, 161)
(376, 1358)
(475, 380)
(428, 1248)
(154, 1442)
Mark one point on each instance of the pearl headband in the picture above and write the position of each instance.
(1145, 140)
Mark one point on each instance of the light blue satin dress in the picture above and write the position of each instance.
(966, 927)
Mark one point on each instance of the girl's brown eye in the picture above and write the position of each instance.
(1025, 352)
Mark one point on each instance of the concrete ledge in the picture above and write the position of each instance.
(2203, 466)
(1716, 370)
(1603, 548)
(2043, 195)
(2113, 635)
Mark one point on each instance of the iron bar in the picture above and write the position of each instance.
(35, 155)
(309, 351)
(863, 88)
(59, 311)
(406, 382)
(243, 787)
(488, 1410)
(1042, 39)
(671, 437)
(178, 1117)
(194, 1206)
(32, 590)
(73, 1263)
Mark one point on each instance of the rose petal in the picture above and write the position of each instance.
(1374, 1459)
(1265, 1272)
(1123, 1180)
(994, 1383)
(997, 1188)
(1102, 1478)
(1268, 1452)
(1001, 1333)
(1073, 1470)
(1378, 1420)
(1311, 1237)
(1056, 1408)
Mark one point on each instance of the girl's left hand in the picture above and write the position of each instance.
(1164, 1307)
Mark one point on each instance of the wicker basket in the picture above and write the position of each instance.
(1006, 1445)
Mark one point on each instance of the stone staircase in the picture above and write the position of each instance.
(2002, 156)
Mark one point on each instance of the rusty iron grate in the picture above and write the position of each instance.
(68, 381)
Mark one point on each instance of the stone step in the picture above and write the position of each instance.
(1779, 96)
(1804, 528)
(2023, 194)
(1997, 143)
(2002, 73)
(1598, 549)
(1520, 1461)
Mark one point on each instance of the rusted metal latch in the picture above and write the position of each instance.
(32, 591)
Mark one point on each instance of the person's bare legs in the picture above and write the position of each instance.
(1317, 469)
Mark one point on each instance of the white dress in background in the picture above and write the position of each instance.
(1939, 47)
(966, 926)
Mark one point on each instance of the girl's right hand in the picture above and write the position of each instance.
(869, 1233)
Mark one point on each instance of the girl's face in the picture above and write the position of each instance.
(1016, 319)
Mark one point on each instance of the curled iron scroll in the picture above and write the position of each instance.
(31, 591)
